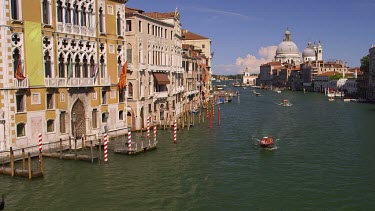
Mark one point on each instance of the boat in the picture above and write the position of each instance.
(195, 111)
(267, 142)
(257, 94)
(2, 202)
(285, 103)
(331, 98)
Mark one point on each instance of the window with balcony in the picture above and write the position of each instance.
(21, 129)
(90, 22)
(77, 67)
(94, 118)
(75, 14)
(50, 125)
(16, 62)
(129, 53)
(62, 122)
(68, 13)
(20, 102)
(15, 9)
(61, 66)
(102, 67)
(101, 20)
(85, 67)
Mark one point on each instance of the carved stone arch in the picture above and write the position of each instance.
(79, 127)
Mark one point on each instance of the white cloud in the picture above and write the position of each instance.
(251, 62)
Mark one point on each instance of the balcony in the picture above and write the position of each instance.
(159, 95)
(130, 67)
(142, 67)
(105, 81)
(75, 29)
(180, 89)
(21, 84)
(65, 82)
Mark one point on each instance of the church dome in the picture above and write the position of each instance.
(308, 52)
(287, 47)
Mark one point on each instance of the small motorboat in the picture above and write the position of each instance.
(257, 94)
(331, 98)
(285, 103)
(267, 142)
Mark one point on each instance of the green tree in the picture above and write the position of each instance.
(365, 63)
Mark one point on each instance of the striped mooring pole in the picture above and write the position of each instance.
(40, 142)
(175, 131)
(105, 147)
(129, 140)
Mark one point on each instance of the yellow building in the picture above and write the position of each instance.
(60, 63)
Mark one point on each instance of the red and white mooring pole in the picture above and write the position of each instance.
(105, 148)
(148, 127)
(175, 131)
(129, 140)
(40, 142)
(154, 134)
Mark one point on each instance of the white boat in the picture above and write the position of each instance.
(331, 98)
(285, 103)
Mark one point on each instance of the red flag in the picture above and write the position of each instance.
(19, 74)
(122, 82)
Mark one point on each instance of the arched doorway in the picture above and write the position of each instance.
(80, 124)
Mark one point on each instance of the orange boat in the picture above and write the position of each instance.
(267, 142)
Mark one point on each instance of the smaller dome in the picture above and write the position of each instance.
(308, 52)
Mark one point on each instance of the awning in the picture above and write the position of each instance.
(161, 78)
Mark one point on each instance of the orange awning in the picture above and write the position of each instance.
(161, 78)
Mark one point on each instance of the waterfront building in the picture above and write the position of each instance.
(155, 73)
(204, 44)
(249, 79)
(287, 51)
(371, 75)
(266, 73)
(60, 64)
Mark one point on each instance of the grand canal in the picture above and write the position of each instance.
(324, 161)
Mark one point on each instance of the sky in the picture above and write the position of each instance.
(246, 33)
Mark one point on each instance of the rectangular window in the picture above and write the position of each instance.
(121, 115)
(113, 94)
(121, 98)
(62, 122)
(148, 28)
(50, 125)
(14, 4)
(104, 97)
(35, 99)
(149, 108)
(165, 34)
(140, 26)
(62, 97)
(50, 101)
(203, 46)
(111, 48)
(20, 103)
(128, 25)
(94, 95)
(45, 12)
(94, 118)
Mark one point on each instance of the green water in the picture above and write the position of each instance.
(324, 161)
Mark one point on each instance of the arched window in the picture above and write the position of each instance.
(119, 66)
(92, 67)
(21, 129)
(47, 65)
(121, 115)
(68, 13)
(102, 66)
(83, 16)
(46, 12)
(69, 66)
(50, 125)
(77, 67)
(16, 61)
(59, 11)
(15, 13)
(61, 66)
(75, 14)
(85, 68)
(118, 24)
(129, 52)
(101, 20)
(130, 90)
(89, 16)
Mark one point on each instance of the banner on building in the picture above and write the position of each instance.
(34, 53)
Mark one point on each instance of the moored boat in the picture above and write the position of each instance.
(267, 142)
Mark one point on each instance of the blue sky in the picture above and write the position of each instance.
(244, 33)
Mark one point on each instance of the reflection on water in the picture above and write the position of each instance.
(323, 160)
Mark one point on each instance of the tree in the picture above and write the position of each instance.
(365, 63)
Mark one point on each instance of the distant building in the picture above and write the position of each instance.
(371, 75)
(266, 73)
(249, 79)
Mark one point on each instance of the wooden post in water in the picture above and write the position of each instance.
(23, 159)
(100, 149)
(70, 144)
(83, 143)
(218, 117)
(29, 164)
(188, 119)
(75, 147)
(11, 161)
(41, 162)
(92, 152)
(61, 149)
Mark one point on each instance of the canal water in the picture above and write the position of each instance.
(324, 160)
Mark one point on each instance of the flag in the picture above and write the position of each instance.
(122, 82)
(95, 72)
(19, 74)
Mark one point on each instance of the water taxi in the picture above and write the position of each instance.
(267, 142)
